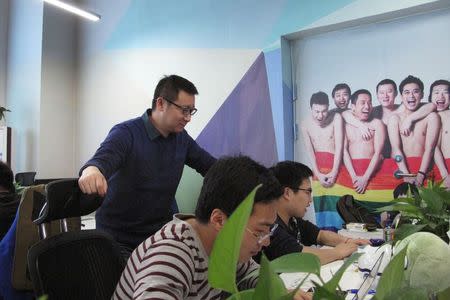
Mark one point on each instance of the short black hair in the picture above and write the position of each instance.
(355, 95)
(320, 98)
(229, 181)
(6, 177)
(387, 81)
(411, 79)
(438, 82)
(402, 189)
(340, 86)
(291, 173)
(169, 87)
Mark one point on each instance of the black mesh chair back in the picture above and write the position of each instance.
(83, 264)
(76, 265)
(25, 178)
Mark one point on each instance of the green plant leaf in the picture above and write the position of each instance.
(225, 253)
(407, 229)
(407, 293)
(269, 286)
(322, 293)
(244, 295)
(443, 295)
(405, 208)
(334, 281)
(432, 199)
(296, 262)
(290, 295)
(392, 276)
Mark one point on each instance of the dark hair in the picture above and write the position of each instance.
(355, 95)
(6, 178)
(229, 181)
(438, 82)
(340, 86)
(387, 81)
(411, 79)
(291, 173)
(402, 189)
(319, 98)
(169, 87)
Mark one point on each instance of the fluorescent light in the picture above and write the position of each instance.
(75, 10)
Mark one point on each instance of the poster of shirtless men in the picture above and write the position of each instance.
(372, 109)
(366, 145)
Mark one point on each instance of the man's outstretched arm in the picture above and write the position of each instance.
(396, 143)
(433, 126)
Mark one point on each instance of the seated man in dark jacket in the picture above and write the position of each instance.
(9, 201)
(295, 234)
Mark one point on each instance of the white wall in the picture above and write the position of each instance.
(23, 84)
(116, 85)
(3, 48)
(58, 90)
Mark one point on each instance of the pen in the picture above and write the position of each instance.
(355, 291)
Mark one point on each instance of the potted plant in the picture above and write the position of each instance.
(2, 112)
(395, 282)
(426, 209)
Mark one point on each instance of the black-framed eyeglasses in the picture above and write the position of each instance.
(186, 110)
(262, 236)
(309, 191)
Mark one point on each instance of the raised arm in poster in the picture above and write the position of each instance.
(323, 137)
(363, 156)
(413, 152)
(439, 95)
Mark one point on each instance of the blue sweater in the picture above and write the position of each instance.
(143, 170)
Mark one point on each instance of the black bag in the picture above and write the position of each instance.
(351, 211)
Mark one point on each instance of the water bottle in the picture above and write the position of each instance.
(388, 232)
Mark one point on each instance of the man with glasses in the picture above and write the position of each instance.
(139, 165)
(173, 263)
(295, 234)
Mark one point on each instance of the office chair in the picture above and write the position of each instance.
(25, 178)
(26, 234)
(83, 264)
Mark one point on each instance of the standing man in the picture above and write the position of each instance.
(139, 165)
(295, 234)
(363, 156)
(413, 152)
(440, 96)
(323, 137)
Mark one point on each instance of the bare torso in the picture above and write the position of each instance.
(414, 144)
(357, 146)
(384, 113)
(322, 138)
(445, 133)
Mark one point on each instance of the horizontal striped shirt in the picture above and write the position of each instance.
(172, 264)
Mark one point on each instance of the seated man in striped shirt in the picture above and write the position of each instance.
(173, 263)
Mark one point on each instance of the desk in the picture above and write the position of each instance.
(377, 234)
(352, 278)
